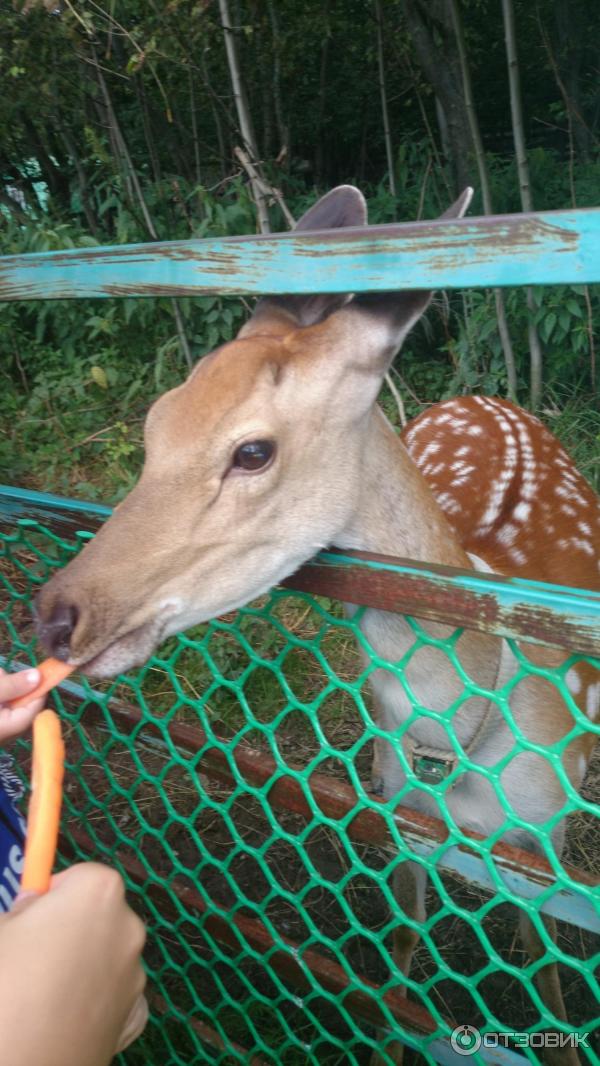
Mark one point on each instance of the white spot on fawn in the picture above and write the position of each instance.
(517, 556)
(521, 512)
(582, 545)
(430, 449)
(573, 681)
(507, 534)
(593, 701)
(448, 503)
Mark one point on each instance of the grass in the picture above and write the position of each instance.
(576, 423)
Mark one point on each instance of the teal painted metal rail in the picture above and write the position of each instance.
(538, 249)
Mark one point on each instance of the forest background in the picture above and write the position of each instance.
(136, 120)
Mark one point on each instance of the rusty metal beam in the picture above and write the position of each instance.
(531, 611)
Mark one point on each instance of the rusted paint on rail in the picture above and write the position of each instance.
(546, 248)
(531, 611)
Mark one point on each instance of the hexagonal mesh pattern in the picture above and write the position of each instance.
(228, 780)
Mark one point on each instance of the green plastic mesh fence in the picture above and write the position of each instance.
(228, 780)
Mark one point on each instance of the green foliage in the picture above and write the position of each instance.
(564, 322)
(77, 376)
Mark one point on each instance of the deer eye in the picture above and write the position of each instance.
(254, 455)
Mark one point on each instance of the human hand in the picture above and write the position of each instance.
(71, 979)
(17, 721)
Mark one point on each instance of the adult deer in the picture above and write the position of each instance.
(274, 448)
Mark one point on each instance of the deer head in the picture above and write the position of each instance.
(252, 465)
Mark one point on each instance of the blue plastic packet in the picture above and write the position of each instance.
(12, 833)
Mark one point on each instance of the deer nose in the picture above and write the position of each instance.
(55, 632)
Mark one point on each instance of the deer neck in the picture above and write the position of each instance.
(396, 512)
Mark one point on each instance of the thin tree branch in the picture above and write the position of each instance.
(243, 114)
(264, 187)
(535, 349)
(383, 95)
(397, 397)
(505, 339)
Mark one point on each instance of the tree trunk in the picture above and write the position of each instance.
(197, 171)
(430, 27)
(82, 179)
(49, 160)
(572, 28)
(266, 95)
(516, 110)
(148, 135)
(509, 358)
(223, 154)
(384, 103)
(320, 153)
(243, 113)
(239, 96)
(440, 115)
(282, 128)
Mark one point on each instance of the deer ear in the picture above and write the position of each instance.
(460, 206)
(343, 206)
(386, 318)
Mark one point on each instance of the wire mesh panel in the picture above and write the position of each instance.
(229, 781)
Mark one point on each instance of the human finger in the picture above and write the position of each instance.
(15, 722)
(14, 686)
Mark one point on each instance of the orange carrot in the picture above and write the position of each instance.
(44, 806)
(52, 672)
